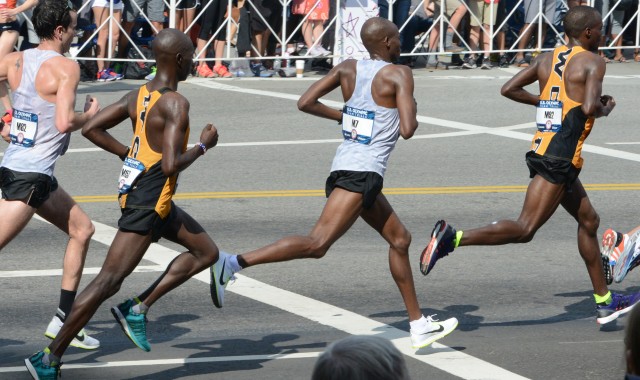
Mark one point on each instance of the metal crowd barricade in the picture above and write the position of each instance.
(285, 34)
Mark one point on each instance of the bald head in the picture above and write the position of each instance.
(375, 30)
(579, 18)
(171, 42)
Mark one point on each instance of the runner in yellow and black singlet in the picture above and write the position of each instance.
(146, 202)
(562, 125)
(147, 181)
(570, 82)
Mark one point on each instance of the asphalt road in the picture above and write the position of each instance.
(525, 311)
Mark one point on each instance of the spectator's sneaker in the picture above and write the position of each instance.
(504, 61)
(318, 51)
(619, 305)
(435, 330)
(39, 370)
(104, 76)
(203, 71)
(259, 70)
(222, 71)
(133, 324)
(629, 259)
(469, 63)
(613, 243)
(239, 73)
(486, 65)
(115, 74)
(82, 340)
(221, 274)
(607, 268)
(152, 74)
(442, 242)
(437, 65)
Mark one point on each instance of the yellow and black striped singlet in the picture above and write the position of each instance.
(153, 190)
(565, 144)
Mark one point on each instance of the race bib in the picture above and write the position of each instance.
(24, 127)
(357, 124)
(549, 115)
(131, 170)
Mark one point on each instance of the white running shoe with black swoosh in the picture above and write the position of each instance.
(82, 340)
(435, 330)
(221, 274)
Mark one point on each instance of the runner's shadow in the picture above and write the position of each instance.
(164, 329)
(223, 349)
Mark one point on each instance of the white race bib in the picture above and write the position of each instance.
(357, 124)
(24, 127)
(131, 170)
(549, 115)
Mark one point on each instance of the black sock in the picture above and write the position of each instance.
(241, 262)
(66, 302)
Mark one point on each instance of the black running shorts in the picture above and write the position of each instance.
(369, 184)
(31, 188)
(553, 170)
(143, 221)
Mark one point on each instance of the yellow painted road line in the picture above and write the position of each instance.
(387, 191)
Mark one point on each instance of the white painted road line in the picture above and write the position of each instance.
(181, 361)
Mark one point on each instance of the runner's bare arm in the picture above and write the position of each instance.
(309, 103)
(514, 88)
(67, 120)
(175, 110)
(595, 104)
(96, 129)
(406, 103)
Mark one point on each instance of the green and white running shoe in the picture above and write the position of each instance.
(133, 324)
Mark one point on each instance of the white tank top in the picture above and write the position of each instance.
(370, 131)
(49, 143)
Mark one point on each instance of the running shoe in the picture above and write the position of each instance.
(203, 71)
(222, 71)
(259, 70)
(436, 330)
(133, 324)
(104, 76)
(115, 74)
(619, 305)
(629, 259)
(221, 274)
(442, 241)
(608, 269)
(82, 340)
(613, 243)
(39, 370)
(469, 63)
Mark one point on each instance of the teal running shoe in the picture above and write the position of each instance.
(39, 370)
(133, 324)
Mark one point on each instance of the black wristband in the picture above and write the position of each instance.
(122, 158)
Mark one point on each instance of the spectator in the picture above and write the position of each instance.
(101, 9)
(317, 12)
(185, 13)
(400, 13)
(531, 17)
(361, 357)
(455, 10)
(213, 24)
(483, 14)
(632, 345)
(9, 32)
(271, 12)
(152, 9)
(419, 22)
(616, 22)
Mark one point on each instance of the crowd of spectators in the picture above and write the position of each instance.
(479, 33)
